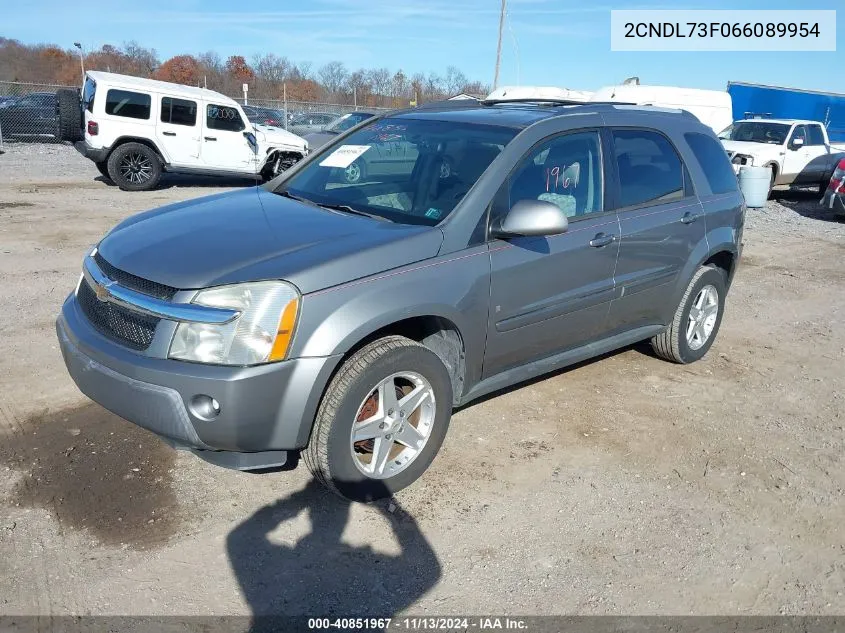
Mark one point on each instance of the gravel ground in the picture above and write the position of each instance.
(625, 485)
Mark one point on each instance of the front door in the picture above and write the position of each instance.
(224, 146)
(797, 159)
(551, 294)
(178, 131)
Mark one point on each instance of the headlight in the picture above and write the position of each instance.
(260, 334)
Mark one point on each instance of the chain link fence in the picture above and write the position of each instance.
(28, 112)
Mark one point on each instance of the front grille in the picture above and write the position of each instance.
(132, 282)
(119, 324)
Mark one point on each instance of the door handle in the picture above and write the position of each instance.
(169, 133)
(602, 239)
(210, 138)
(689, 218)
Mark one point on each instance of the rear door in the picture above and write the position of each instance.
(551, 294)
(223, 146)
(661, 223)
(821, 165)
(178, 131)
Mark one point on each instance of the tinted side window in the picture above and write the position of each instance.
(799, 132)
(815, 136)
(178, 111)
(219, 117)
(134, 105)
(714, 162)
(88, 94)
(650, 170)
(566, 171)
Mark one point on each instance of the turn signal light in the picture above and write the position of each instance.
(285, 331)
(93, 128)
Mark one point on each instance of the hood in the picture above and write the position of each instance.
(269, 136)
(253, 235)
(318, 139)
(747, 147)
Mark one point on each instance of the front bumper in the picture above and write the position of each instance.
(834, 201)
(265, 410)
(96, 154)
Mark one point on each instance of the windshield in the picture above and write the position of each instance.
(347, 121)
(756, 132)
(404, 170)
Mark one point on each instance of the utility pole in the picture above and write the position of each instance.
(499, 47)
(81, 62)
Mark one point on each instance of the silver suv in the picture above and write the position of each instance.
(344, 320)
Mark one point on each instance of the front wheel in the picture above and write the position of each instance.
(697, 319)
(134, 167)
(381, 421)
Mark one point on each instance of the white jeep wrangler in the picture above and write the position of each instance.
(134, 129)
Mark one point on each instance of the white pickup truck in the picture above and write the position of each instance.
(798, 152)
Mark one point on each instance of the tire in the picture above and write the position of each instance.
(338, 461)
(103, 168)
(69, 111)
(674, 344)
(771, 183)
(134, 167)
(354, 173)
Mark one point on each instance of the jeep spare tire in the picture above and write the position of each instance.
(69, 110)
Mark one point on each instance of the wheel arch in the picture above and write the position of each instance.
(435, 331)
(122, 140)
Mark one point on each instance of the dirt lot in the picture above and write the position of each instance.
(624, 485)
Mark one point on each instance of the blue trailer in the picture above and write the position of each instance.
(754, 100)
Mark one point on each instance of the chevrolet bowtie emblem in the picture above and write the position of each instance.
(103, 293)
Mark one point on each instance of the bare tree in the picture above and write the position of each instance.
(380, 79)
(334, 78)
(454, 81)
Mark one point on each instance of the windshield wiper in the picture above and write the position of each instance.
(293, 196)
(347, 209)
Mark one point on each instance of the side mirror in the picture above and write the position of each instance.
(532, 218)
(797, 143)
(253, 142)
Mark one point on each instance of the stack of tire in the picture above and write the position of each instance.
(69, 111)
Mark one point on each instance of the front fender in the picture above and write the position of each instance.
(455, 287)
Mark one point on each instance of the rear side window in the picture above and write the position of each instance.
(714, 162)
(88, 93)
(815, 135)
(133, 105)
(219, 117)
(178, 111)
(650, 170)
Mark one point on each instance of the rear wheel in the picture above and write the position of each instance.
(381, 421)
(697, 319)
(134, 167)
(103, 168)
(69, 111)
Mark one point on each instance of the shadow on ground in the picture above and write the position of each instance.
(95, 472)
(319, 575)
(806, 203)
(168, 181)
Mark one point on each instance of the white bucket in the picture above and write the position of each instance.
(754, 185)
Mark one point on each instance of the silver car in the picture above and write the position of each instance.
(343, 321)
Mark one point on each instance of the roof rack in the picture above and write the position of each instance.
(534, 100)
